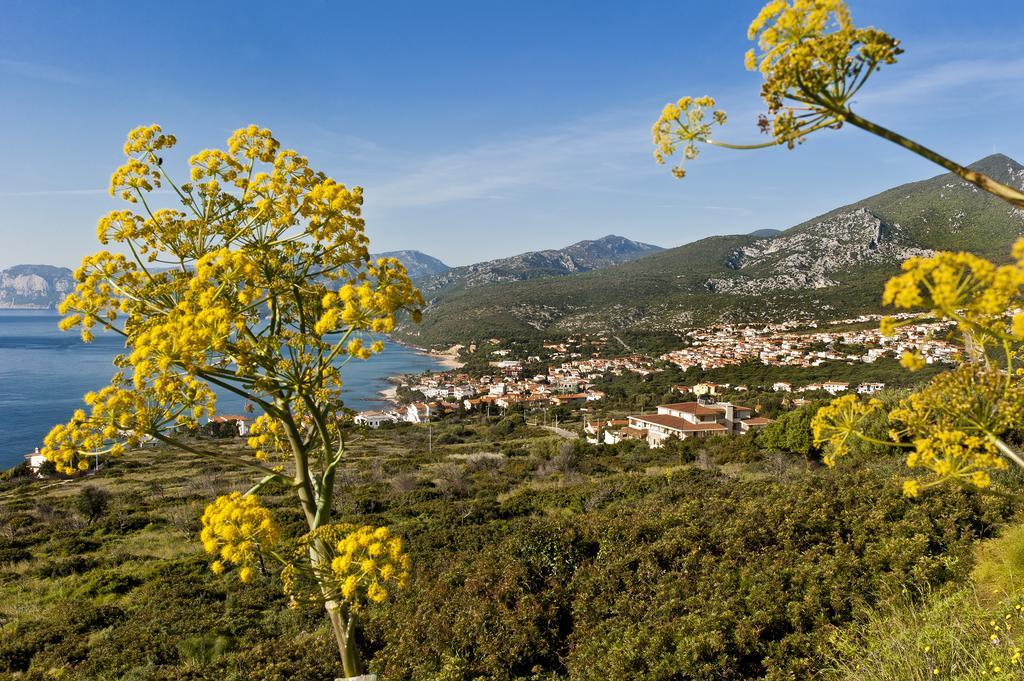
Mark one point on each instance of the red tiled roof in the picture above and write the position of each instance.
(676, 423)
(692, 408)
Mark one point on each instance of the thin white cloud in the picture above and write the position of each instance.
(492, 170)
(35, 71)
(738, 210)
(946, 77)
(55, 192)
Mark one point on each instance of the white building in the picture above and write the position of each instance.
(35, 460)
(835, 387)
(241, 422)
(417, 412)
(695, 419)
(374, 419)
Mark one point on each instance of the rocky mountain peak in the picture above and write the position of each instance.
(1001, 168)
(34, 286)
(582, 256)
(810, 258)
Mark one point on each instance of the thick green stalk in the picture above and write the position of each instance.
(344, 634)
(1006, 450)
(979, 180)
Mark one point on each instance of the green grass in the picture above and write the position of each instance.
(972, 632)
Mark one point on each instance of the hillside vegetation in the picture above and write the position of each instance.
(833, 265)
(533, 558)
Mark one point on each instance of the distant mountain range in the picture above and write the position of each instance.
(44, 286)
(834, 264)
(34, 286)
(583, 256)
(420, 265)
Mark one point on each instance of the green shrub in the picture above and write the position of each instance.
(62, 567)
(106, 583)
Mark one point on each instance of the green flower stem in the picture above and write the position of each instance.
(987, 490)
(344, 631)
(726, 145)
(220, 457)
(265, 481)
(884, 443)
(1006, 450)
(980, 180)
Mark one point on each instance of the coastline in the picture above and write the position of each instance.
(449, 358)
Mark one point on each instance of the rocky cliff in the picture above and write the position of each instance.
(34, 286)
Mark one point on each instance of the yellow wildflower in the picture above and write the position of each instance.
(913, 361)
(237, 528)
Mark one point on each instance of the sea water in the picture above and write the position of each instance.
(44, 372)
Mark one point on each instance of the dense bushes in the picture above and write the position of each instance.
(692, 577)
(563, 560)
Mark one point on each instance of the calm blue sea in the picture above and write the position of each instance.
(44, 372)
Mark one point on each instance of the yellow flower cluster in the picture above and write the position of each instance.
(368, 305)
(368, 560)
(835, 423)
(147, 138)
(953, 455)
(253, 142)
(955, 424)
(119, 419)
(236, 529)
(267, 437)
(214, 163)
(913, 360)
(963, 287)
(96, 298)
(268, 261)
(132, 179)
(810, 54)
(813, 60)
(780, 27)
(346, 563)
(973, 398)
(332, 210)
(682, 123)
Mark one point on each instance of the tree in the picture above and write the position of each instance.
(962, 425)
(791, 432)
(92, 502)
(258, 284)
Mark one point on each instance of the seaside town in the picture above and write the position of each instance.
(571, 378)
(575, 366)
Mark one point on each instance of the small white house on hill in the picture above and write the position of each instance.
(374, 419)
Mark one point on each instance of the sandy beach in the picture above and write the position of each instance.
(448, 359)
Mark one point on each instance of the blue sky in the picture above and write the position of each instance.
(479, 129)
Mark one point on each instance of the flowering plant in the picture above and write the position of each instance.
(258, 283)
(956, 426)
(813, 61)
